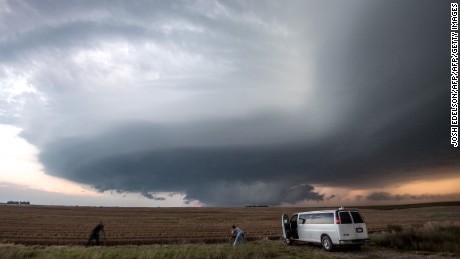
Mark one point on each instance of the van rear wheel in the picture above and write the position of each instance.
(326, 242)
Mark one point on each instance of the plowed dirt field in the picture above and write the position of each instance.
(60, 225)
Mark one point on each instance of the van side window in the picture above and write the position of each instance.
(356, 217)
(345, 217)
(304, 218)
(322, 218)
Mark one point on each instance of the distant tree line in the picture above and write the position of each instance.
(19, 202)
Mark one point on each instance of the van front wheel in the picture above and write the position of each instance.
(326, 242)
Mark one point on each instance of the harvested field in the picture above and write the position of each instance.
(56, 225)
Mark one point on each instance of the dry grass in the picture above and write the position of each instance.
(257, 249)
(432, 237)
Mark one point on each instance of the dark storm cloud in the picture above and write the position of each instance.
(384, 196)
(236, 103)
(153, 197)
(189, 160)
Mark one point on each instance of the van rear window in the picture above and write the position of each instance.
(345, 217)
(356, 217)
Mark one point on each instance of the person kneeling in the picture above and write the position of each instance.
(239, 233)
(97, 232)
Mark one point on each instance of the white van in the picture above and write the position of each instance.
(326, 227)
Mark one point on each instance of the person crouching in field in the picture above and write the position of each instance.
(239, 233)
(96, 234)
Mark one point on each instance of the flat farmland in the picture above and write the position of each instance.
(61, 225)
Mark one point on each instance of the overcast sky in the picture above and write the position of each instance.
(226, 103)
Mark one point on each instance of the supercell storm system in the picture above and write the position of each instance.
(231, 102)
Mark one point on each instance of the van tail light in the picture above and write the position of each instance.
(337, 219)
